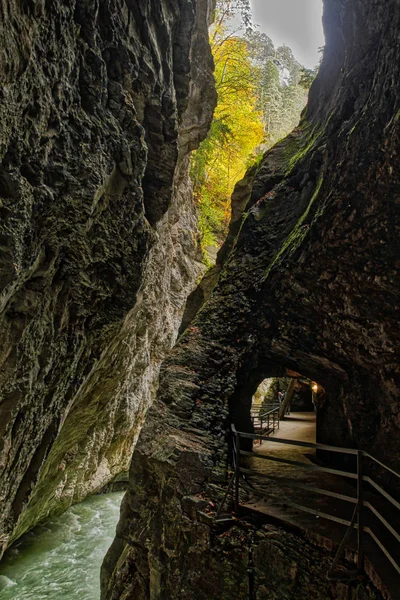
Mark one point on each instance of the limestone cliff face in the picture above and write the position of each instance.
(100, 104)
(310, 285)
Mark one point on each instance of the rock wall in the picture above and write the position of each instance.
(311, 285)
(246, 562)
(100, 103)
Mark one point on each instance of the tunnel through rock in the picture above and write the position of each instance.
(263, 390)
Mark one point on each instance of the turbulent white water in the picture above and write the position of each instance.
(61, 560)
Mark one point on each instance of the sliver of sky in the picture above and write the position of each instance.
(296, 23)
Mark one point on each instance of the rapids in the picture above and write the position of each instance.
(61, 559)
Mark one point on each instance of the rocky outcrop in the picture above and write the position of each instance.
(100, 104)
(248, 561)
(311, 285)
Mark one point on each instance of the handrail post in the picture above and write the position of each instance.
(278, 416)
(237, 472)
(360, 514)
(261, 428)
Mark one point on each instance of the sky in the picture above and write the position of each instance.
(296, 23)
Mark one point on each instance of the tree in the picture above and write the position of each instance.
(307, 76)
(227, 9)
(259, 102)
(236, 131)
(287, 60)
(260, 46)
(271, 99)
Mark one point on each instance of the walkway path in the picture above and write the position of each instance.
(275, 499)
(272, 497)
(299, 426)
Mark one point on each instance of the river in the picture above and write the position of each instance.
(62, 559)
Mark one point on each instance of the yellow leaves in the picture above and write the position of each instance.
(259, 101)
(236, 131)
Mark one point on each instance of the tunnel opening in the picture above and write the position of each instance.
(288, 474)
(265, 398)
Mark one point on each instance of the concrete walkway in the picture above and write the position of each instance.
(299, 426)
(271, 496)
(275, 498)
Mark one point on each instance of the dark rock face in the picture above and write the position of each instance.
(100, 103)
(311, 285)
(264, 563)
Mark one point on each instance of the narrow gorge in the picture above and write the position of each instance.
(101, 104)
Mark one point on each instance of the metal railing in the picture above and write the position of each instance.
(265, 419)
(362, 501)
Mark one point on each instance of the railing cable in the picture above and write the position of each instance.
(357, 522)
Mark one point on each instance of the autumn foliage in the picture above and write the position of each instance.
(259, 101)
(236, 132)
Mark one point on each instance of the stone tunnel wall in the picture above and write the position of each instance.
(100, 103)
(311, 285)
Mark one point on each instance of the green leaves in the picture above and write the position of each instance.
(307, 76)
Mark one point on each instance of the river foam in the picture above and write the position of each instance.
(62, 558)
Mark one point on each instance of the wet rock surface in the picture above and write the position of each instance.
(311, 285)
(100, 103)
